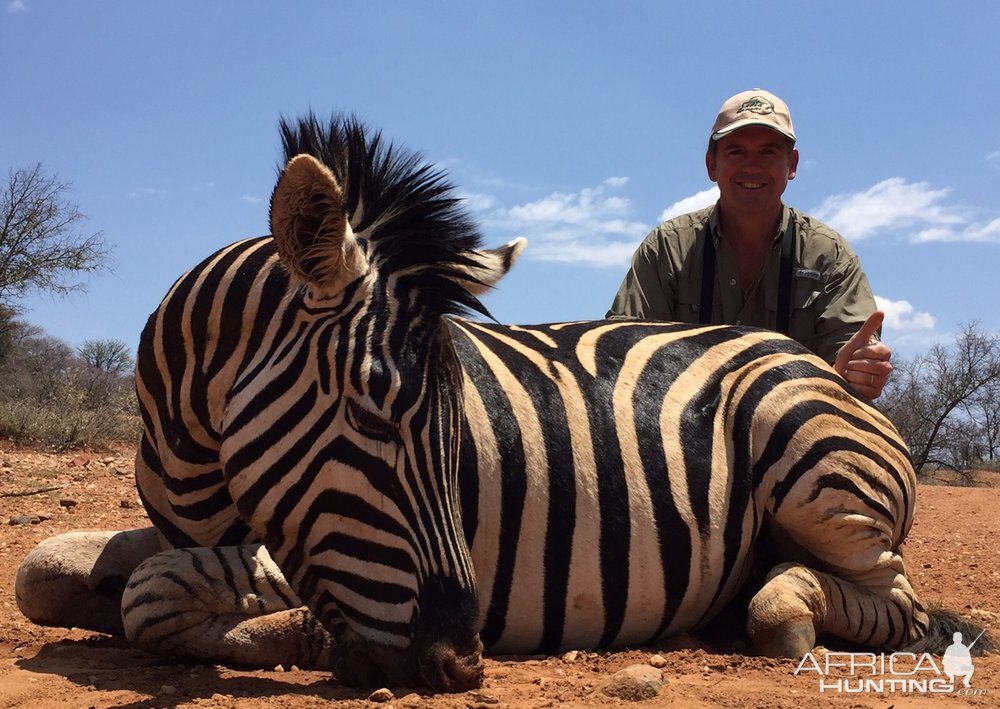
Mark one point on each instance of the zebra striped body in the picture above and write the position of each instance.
(638, 464)
(579, 485)
(615, 476)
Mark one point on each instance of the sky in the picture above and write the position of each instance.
(578, 125)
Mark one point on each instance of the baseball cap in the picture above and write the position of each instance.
(755, 107)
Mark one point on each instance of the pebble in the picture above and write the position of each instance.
(635, 683)
(67, 502)
(485, 698)
(168, 689)
(381, 695)
(658, 661)
(279, 668)
(571, 656)
(126, 504)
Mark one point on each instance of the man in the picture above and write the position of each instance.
(725, 264)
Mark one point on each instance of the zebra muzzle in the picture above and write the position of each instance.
(448, 668)
(442, 665)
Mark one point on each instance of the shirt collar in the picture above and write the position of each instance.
(783, 224)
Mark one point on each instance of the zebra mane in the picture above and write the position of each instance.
(404, 207)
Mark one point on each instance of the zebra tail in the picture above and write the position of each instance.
(944, 624)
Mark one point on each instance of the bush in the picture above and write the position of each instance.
(55, 397)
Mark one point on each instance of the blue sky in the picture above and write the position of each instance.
(578, 125)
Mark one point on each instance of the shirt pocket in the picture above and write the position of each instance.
(687, 311)
(805, 294)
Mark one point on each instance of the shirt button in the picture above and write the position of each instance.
(732, 281)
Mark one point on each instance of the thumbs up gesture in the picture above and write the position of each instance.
(864, 362)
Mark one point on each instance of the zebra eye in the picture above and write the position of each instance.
(368, 424)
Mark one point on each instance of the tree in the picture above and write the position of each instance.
(944, 403)
(108, 356)
(106, 372)
(41, 246)
(53, 395)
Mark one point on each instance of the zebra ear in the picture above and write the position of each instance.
(488, 266)
(310, 227)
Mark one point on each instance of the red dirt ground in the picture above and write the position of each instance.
(952, 555)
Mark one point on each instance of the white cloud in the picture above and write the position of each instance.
(994, 159)
(251, 199)
(900, 315)
(591, 226)
(892, 204)
(982, 233)
(16, 6)
(477, 202)
(605, 254)
(697, 201)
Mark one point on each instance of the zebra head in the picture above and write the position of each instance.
(373, 542)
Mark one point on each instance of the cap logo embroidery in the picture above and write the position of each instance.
(756, 104)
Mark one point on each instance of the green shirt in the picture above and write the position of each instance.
(831, 297)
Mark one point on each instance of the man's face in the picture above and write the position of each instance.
(752, 167)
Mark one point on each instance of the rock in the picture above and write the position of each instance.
(80, 461)
(107, 461)
(119, 471)
(484, 698)
(168, 689)
(635, 683)
(984, 616)
(381, 695)
(67, 502)
(571, 656)
(658, 661)
(279, 668)
(24, 520)
(126, 504)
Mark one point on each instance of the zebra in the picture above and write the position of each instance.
(344, 470)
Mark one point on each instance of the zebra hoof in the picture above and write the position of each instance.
(791, 639)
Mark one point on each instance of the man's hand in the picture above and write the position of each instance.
(864, 363)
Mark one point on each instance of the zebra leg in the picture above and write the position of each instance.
(225, 605)
(877, 608)
(76, 579)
